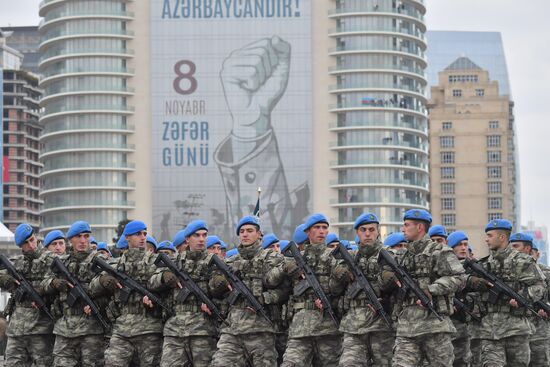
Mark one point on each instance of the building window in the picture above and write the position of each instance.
(494, 187)
(494, 203)
(463, 78)
(447, 141)
(494, 172)
(493, 156)
(447, 172)
(447, 157)
(480, 92)
(447, 188)
(448, 220)
(493, 141)
(447, 125)
(493, 125)
(457, 92)
(448, 204)
(493, 216)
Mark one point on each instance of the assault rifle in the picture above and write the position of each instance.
(189, 286)
(407, 282)
(462, 307)
(25, 288)
(77, 291)
(129, 285)
(360, 283)
(310, 280)
(239, 289)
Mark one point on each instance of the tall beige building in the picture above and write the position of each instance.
(472, 152)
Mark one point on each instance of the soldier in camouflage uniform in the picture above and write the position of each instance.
(190, 334)
(249, 337)
(138, 326)
(538, 342)
(313, 337)
(546, 271)
(368, 341)
(505, 327)
(55, 242)
(439, 274)
(30, 338)
(79, 336)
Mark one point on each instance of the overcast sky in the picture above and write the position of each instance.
(526, 35)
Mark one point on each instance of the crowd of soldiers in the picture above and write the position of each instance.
(420, 298)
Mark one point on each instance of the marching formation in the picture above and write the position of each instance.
(419, 298)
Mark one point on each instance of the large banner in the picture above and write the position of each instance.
(231, 97)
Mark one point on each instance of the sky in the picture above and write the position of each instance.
(526, 36)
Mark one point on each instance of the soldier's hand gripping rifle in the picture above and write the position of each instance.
(189, 286)
(25, 288)
(310, 280)
(499, 288)
(129, 285)
(77, 291)
(360, 282)
(407, 282)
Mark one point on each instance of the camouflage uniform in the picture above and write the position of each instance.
(30, 338)
(367, 338)
(137, 328)
(461, 339)
(314, 338)
(505, 330)
(474, 329)
(436, 270)
(249, 337)
(190, 334)
(538, 342)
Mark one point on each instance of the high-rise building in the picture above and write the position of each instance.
(472, 151)
(26, 40)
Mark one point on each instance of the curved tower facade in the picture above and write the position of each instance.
(380, 117)
(84, 143)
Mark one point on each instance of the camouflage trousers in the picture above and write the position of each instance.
(461, 345)
(512, 351)
(121, 349)
(372, 349)
(29, 350)
(194, 351)
(437, 349)
(540, 353)
(281, 339)
(257, 349)
(85, 351)
(318, 351)
(475, 348)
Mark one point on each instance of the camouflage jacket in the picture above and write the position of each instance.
(308, 320)
(435, 268)
(73, 322)
(133, 318)
(188, 319)
(261, 271)
(359, 318)
(542, 326)
(24, 318)
(520, 272)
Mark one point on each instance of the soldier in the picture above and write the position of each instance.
(270, 241)
(30, 338)
(395, 242)
(300, 236)
(249, 336)
(332, 240)
(103, 250)
(179, 241)
(93, 243)
(151, 244)
(538, 342)
(167, 248)
(505, 327)
(190, 333)
(55, 242)
(78, 336)
(436, 270)
(438, 234)
(367, 338)
(313, 336)
(214, 246)
(138, 327)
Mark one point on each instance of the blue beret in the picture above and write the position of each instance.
(346, 243)
(268, 240)
(102, 246)
(332, 237)
(134, 227)
(166, 245)
(194, 226)
(299, 235)
(122, 243)
(92, 240)
(22, 233)
(52, 236)
(521, 237)
(534, 247)
(77, 228)
(365, 218)
(437, 230)
(455, 238)
(283, 244)
(315, 219)
(152, 241)
(354, 247)
(232, 252)
(418, 214)
(179, 238)
(247, 220)
(498, 224)
(394, 239)
(213, 240)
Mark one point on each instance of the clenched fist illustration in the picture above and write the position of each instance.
(254, 79)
